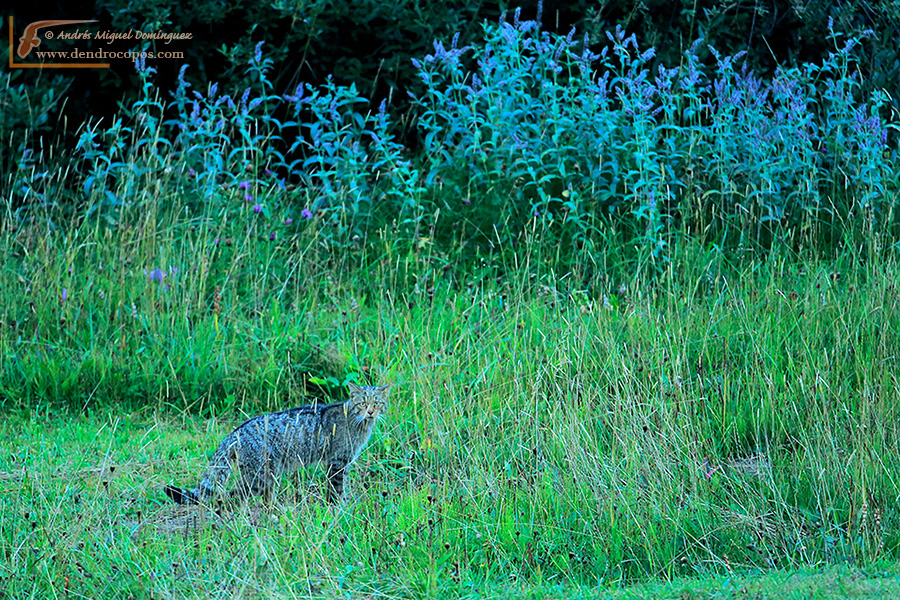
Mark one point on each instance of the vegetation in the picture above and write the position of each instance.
(726, 422)
(649, 332)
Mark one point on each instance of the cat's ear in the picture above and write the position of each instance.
(354, 389)
(384, 389)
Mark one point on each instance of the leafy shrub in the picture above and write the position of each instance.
(327, 160)
(528, 137)
(536, 125)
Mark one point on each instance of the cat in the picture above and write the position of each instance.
(263, 448)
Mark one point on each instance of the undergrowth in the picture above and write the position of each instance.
(525, 133)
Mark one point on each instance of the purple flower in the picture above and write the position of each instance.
(192, 172)
(181, 81)
(289, 221)
(272, 237)
(65, 295)
(217, 241)
(141, 66)
(156, 274)
(248, 198)
(245, 185)
(298, 94)
(257, 208)
(648, 54)
(268, 173)
(306, 214)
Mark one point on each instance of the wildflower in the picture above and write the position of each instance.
(141, 66)
(289, 221)
(272, 237)
(257, 208)
(181, 81)
(298, 94)
(306, 214)
(217, 242)
(65, 295)
(245, 185)
(248, 198)
(268, 172)
(156, 274)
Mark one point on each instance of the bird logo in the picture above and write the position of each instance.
(30, 40)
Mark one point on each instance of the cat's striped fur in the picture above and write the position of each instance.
(263, 448)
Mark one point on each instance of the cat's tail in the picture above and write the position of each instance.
(213, 479)
(181, 496)
(204, 491)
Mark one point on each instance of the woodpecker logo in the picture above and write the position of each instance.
(38, 32)
(30, 40)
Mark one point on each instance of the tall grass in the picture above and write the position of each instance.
(725, 421)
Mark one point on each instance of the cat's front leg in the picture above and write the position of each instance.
(337, 478)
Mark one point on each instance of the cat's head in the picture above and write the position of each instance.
(368, 402)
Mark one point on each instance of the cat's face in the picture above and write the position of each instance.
(368, 402)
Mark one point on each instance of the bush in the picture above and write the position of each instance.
(535, 126)
(529, 139)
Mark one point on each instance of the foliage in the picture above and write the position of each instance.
(309, 38)
(525, 131)
(327, 161)
(26, 111)
(775, 34)
(529, 126)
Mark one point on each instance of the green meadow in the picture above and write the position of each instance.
(725, 422)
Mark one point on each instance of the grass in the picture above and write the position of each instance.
(84, 517)
(712, 425)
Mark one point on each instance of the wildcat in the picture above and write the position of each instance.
(264, 447)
